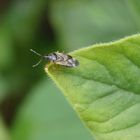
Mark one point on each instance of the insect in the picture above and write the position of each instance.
(57, 58)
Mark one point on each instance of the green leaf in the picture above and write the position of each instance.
(46, 115)
(105, 88)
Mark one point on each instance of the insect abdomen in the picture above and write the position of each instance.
(66, 60)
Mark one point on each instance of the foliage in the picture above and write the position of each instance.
(47, 26)
(104, 89)
(37, 121)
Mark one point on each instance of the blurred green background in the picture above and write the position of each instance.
(31, 106)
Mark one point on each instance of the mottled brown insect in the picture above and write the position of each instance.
(58, 58)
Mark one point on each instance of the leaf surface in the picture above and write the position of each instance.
(105, 88)
(45, 115)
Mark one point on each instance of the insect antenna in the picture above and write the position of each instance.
(38, 55)
(35, 52)
(37, 63)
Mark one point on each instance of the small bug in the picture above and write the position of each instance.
(58, 58)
